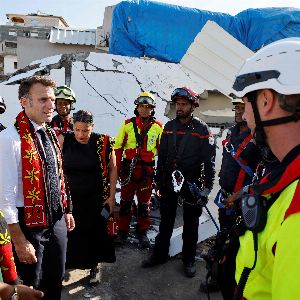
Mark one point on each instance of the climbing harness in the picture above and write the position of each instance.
(177, 180)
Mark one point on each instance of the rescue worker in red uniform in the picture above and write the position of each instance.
(185, 173)
(240, 159)
(64, 100)
(136, 147)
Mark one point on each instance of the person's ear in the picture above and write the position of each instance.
(268, 100)
(23, 101)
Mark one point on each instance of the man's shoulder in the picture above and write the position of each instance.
(170, 123)
(199, 121)
(158, 123)
(56, 117)
(127, 121)
(200, 125)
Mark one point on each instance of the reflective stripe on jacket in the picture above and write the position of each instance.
(126, 144)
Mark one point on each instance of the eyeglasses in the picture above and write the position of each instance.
(64, 90)
(145, 101)
(182, 93)
(82, 117)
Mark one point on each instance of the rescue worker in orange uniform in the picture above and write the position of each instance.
(136, 147)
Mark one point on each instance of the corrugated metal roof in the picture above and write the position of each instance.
(62, 35)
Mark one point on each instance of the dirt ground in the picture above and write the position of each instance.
(125, 279)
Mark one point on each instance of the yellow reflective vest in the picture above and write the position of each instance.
(277, 272)
(126, 143)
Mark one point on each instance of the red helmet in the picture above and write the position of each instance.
(187, 93)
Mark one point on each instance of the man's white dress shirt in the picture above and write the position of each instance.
(11, 186)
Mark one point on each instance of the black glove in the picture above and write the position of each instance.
(202, 201)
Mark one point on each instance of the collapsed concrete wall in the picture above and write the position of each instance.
(105, 84)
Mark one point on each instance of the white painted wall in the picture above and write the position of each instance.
(9, 61)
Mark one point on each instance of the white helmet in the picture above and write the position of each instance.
(276, 66)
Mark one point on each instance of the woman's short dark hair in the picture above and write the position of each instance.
(27, 83)
(83, 116)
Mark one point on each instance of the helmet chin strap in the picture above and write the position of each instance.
(259, 133)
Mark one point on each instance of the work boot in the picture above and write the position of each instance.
(210, 286)
(121, 238)
(94, 277)
(189, 269)
(144, 241)
(152, 261)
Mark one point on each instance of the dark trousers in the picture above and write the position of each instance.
(227, 267)
(191, 214)
(50, 245)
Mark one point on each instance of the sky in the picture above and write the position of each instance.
(89, 13)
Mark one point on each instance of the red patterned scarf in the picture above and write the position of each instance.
(105, 147)
(104, 151)
(35, 187)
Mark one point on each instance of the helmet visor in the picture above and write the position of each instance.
(144, 100)
(183, 94)
(65, 91)
(242, 81)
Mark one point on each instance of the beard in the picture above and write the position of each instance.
(183, 115)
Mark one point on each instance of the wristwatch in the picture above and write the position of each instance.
(15, 295)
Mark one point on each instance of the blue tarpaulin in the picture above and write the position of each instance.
(164, 31)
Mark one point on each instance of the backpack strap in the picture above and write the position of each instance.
(140, 137)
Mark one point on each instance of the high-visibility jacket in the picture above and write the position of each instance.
(126, 142)
(276, 274)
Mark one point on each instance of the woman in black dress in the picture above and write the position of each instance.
(90, 167)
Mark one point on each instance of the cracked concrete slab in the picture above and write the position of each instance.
(105, 84)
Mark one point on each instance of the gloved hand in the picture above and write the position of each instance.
(202, 201)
